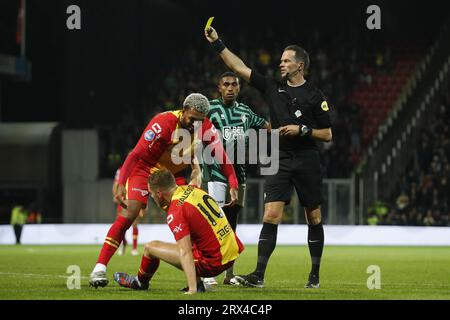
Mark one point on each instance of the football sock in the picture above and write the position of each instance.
(229, 272)
(99, 267)
(266, 245)
(315, 243)
(135, 237)
(113, 239)
(147, 269)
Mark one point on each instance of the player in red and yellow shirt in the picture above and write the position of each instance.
(168, 138)
(205, 242)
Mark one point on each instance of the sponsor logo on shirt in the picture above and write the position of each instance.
(233, 133)
(143, 192)
(149, 135)
(177, 229)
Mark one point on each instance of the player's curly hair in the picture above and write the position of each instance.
(198, 102)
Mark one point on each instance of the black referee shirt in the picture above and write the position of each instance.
(293, 106)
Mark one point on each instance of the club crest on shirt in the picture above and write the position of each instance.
(233, 133)
(149, 135)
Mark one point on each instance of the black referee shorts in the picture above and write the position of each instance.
(300, 170)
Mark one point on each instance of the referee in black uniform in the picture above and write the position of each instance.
(300, 112)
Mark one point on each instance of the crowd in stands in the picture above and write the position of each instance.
(422, 196)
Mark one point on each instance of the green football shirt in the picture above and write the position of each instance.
(233, 122)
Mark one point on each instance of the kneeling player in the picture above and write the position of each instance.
(206, 245)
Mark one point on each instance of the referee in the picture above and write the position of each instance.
(300, 112)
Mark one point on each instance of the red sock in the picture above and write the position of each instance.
(135, 236)
(147, 269)
(113, 239)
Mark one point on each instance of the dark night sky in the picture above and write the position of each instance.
(86, 77)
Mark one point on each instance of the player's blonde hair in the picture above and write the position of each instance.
(162, 180)
(198, 102)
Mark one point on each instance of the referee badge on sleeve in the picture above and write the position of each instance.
(324, 106)
(298, 113)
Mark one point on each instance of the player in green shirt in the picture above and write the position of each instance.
(233, 119)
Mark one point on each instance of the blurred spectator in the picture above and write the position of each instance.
(18, 219)
(429, 219)
(402, 202)
(34, 214)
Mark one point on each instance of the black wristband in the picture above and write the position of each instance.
(218, 46)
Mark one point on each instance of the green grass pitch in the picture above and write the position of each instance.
(39, 272)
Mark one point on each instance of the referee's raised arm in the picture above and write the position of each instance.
(231, 60)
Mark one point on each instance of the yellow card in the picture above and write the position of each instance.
(208, 24)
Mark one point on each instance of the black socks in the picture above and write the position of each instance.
(266, 245)
(315, 243)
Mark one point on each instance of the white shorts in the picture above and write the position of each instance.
(221, 193)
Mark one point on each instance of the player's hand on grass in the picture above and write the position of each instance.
(191, 292)
(289, 130)
(211, 34)
(234, 198)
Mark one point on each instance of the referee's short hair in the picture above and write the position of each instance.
(300, 54)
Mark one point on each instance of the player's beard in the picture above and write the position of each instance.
(163, 204)
(160, 202)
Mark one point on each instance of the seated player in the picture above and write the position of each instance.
(206, 244)
(161, 141)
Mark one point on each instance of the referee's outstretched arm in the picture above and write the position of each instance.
(231, 60)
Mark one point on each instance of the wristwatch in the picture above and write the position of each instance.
(305, 130)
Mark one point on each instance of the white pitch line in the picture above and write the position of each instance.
(37, 275)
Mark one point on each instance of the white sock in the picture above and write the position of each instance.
(99, 267)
